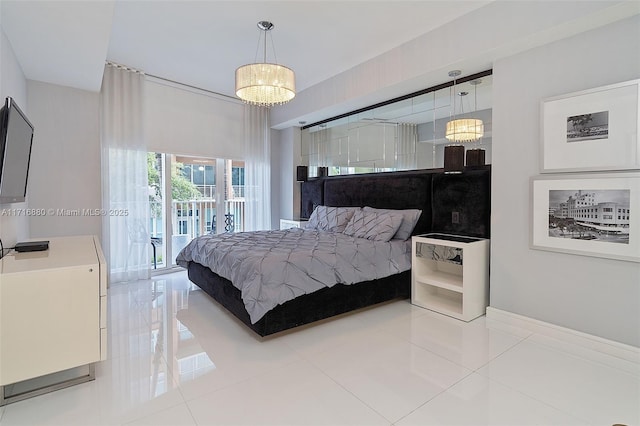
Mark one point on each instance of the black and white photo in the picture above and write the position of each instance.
(596, 215)
(592, 130)
(586, 127)
(588, 214)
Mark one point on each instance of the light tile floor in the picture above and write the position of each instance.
(177, 358)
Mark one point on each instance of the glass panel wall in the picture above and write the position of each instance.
(403, 135)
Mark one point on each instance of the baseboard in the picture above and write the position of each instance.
(609, 347)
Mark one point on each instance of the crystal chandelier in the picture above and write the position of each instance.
(462, 129)
(263, 83)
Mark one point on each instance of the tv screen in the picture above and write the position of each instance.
(16, 136)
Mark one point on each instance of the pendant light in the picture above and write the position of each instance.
(462, 129)
(265, 84)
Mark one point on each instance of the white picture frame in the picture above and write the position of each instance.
(572, 214)
(592, 130)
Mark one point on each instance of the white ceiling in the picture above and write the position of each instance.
(201, 43)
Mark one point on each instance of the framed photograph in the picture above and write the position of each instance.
(590, 215)
(592, 130)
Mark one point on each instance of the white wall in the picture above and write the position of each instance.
(592, 295)
(13, 83)
(65, 160)
(278, 158)
(285, 190)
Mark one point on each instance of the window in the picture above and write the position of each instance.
(185, 201)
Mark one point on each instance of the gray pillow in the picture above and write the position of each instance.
(373, 225)
(409, 220)
(333, 219)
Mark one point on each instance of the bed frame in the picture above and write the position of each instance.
(435, 193)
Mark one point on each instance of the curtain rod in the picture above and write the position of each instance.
(128, 68)
(124, 67)
(193, 87)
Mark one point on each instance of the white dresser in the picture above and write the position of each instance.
(53, 311)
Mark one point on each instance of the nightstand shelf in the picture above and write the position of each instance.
(444, 280)
(450, 274)
(292, 223)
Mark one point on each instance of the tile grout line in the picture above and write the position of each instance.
(471, 372)
(348, 391)
(466, 376)
(305, 358)
(526, 395)
(586, 421)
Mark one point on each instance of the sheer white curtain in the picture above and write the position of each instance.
(407, 138)
(125, 189)
(257, 168)
(319, 149)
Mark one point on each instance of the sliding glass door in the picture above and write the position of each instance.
(189, 197)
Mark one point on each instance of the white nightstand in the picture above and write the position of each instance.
(292, 223)
(450, 274)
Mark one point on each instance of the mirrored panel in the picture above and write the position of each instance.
(404, 135)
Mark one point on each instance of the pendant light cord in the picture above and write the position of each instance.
(266, 30)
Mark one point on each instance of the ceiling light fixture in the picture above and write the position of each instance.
(462, 129)
(262, 83)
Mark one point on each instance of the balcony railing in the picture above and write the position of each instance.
(199, 217)
(209, 191)
(191, 219)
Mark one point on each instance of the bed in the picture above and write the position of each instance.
(432, 192)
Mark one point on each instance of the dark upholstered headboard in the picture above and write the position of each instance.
(438, 195)
(462, 203)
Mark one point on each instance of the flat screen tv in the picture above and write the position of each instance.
(16, 137)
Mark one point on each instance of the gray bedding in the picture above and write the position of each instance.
(272, 267)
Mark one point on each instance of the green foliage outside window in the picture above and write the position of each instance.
(182, 189)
